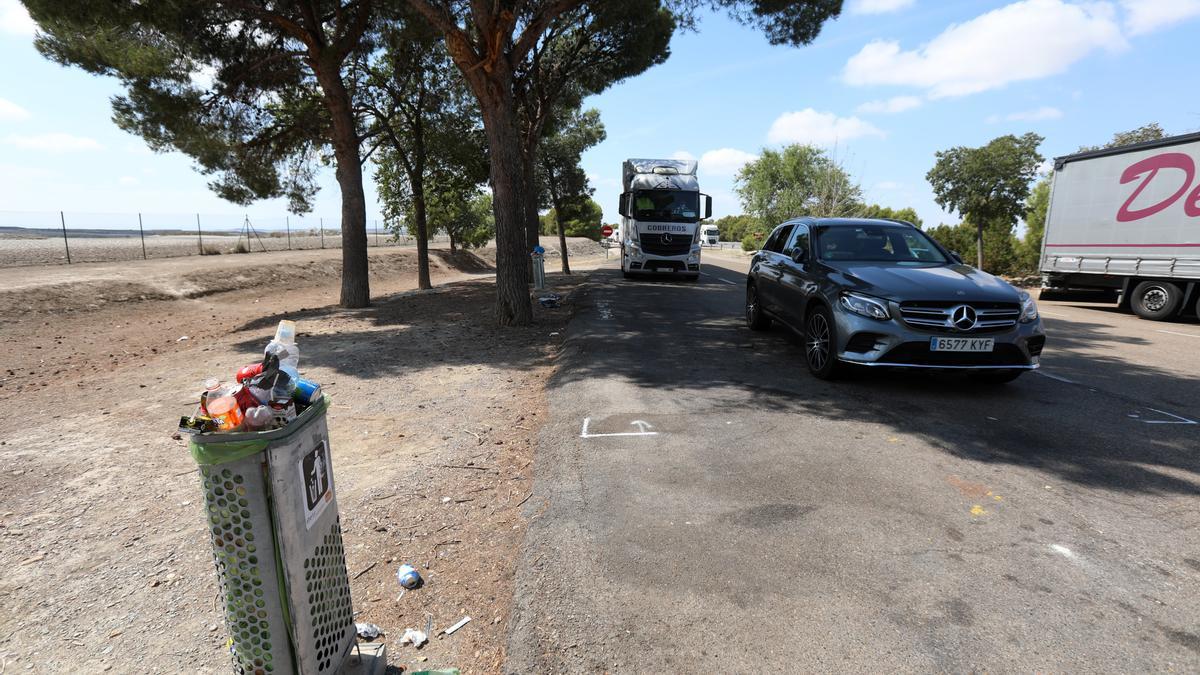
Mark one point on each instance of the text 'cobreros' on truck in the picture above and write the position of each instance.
(660, 217)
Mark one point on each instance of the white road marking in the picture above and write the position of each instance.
(1060, 378)
(1177, 419)
(724, 281)
(642, 427)
(1042, 311)
(1171, 332)
(1063, 551)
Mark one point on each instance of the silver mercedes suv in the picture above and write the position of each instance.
(881, 293)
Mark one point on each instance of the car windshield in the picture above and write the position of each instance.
(877, 243)
(676, 206)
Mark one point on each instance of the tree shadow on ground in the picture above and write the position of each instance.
(688, 338)
(1047, 425)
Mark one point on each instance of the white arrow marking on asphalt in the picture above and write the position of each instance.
(642, 426)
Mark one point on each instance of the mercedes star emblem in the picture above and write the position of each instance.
(963, 317)
(666, 238)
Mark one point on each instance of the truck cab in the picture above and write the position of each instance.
(709, 235)
(661, 209)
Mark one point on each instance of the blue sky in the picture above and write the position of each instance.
(884, 87)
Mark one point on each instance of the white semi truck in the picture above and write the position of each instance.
(1127, 219)
(660, 217)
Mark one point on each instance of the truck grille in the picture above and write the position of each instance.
(653, 244)
(940, 316)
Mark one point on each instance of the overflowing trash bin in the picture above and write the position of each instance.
(273, 518)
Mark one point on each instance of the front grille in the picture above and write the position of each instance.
(937, 316)
(918, 354)
(653, 244)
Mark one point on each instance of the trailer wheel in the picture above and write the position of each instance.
(1156, 300)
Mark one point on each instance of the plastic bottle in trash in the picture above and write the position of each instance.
(284, 346)
(212, 389)
(223, 408)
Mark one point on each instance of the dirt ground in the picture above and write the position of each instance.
(108, 561)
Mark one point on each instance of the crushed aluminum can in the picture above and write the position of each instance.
(408, 577)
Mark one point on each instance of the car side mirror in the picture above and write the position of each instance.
(956, 257)
(799, 255)
(707, 206)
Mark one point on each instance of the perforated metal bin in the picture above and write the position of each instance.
(277, 542)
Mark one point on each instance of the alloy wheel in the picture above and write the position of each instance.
(817, 342)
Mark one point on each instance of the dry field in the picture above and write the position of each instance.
(102, 533)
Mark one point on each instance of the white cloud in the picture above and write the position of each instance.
(818, 128)
(879, 6)
(1025, 40)
(14, 19)
(11, 112)
(896, 104)
(683, 154)
(128, 181)
(53, 142)
(1144, 16)
(1035, 115)
(724, 162)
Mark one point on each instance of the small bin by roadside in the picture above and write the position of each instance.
(277, 542)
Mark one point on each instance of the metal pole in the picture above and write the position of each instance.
(142, 233)
(287, 221)
(65, 244)
(199, 234)
(377, 232)
(322, 233)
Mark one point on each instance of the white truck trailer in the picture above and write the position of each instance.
(660, 217)
(1128, 219)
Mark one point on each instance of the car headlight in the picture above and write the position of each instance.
(1029, 310)
(865, 305)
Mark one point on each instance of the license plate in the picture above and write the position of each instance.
(663, 269)
(957, 344)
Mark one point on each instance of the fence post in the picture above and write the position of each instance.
(376, 232)
(322, 233)
(142, 234)
(199, 234)
(67, 246)
(287, 221)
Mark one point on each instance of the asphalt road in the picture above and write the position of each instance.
(759, 519)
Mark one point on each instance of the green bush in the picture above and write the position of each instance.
(751, 243)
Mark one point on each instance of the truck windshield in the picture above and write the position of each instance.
(675, 206)
(877, 243)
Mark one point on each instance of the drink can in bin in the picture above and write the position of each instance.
(307, 391)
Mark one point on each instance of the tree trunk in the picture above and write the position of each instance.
(500, 123)
(979, 246)
(418, 187)
(356, 289)
(452, 248)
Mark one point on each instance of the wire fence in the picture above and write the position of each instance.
(57, 237)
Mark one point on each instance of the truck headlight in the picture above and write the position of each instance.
(865, 305)
(1029, 310)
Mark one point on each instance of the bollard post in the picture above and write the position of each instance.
(287, 221)
(199, 234)
(377, 233)
(539, 270)
(322, 233)
(142, 234)
(67, 246)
